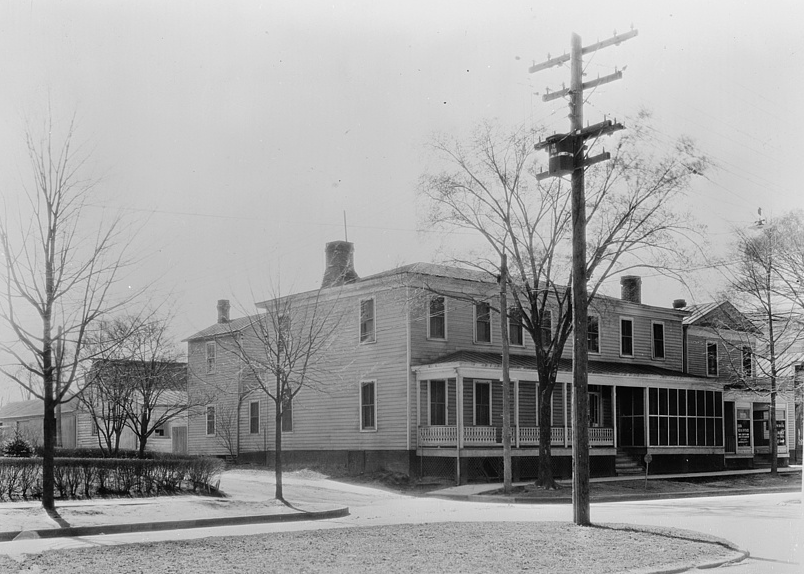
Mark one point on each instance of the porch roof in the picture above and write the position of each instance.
(486, 359)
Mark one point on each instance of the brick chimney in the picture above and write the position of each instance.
(679, 303)
(223, 310)
(631, 288)
(340, 264)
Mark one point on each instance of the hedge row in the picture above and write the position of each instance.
(88, 477)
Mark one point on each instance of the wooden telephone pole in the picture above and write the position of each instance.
(567, 157)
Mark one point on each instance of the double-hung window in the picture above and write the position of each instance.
(658, 340)
(483, 323)
(626, 337)
(547, 327)
(748, 365)
(438, 403)
(515, 330)
(211, 356)
(711, 358)
(367, 334)
(368, 405)
(482, 398)
(254, 417)
(211, 420)
(437, 319)
(593, 333)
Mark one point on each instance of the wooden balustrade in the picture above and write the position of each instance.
(488, 436)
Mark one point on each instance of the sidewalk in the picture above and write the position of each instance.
(479, 492)
(245, 503)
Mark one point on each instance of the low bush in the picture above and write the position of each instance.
(87, 477)
(17, 446)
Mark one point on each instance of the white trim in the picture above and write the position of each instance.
(474, 324)
(599, 333)
(211, 367)
(373, 338)
(475, 383)
(429, 317)
(717, 358)
(214, 408)
(631, 320)
(259, 417)
(653, 341)
(521, 329)
(446, 400)
(360, 402)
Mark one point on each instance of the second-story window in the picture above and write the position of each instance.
(711, 358)
(593, 333)
(515, 331)
(658, 340)
(483, 323)
(547, 327)
(748, 365)
(211, 356)
(626, 337)
(437, 319)
(367, 321)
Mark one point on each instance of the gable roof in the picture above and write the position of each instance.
(718, 314)
(223, 328)
(487, 359)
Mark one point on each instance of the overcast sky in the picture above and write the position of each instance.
(238, 132)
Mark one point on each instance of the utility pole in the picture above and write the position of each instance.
(506, 382)
(567, 156)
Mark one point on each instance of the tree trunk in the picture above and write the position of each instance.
(278, 442)
(506, 379)
(545, 479)
(143, 436)
(48, 454)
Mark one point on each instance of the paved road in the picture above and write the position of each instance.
(768, 525)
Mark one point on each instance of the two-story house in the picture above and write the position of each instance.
(416, 383)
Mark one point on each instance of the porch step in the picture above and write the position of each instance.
(625, 464)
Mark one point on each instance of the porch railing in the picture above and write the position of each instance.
(489, 436)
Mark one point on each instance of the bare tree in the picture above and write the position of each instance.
(287, 349)
(106, 401)
(765, 284)
(488, 186)
(227, 422)
(58, 274)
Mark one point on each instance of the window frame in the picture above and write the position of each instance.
(631, 336)
(549, 329)
(287, 414)
(714, 345)
(211, 358)
(654, 355)
(589, 318)
(475, 384)
(363, 384)
(214, 410)
(515, 313)
(251, 417)
(430, 401)
(165, 430)
(366, 338)
(746, 352)
(431, 317)
(476, 322)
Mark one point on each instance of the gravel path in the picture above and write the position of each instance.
(543, 547)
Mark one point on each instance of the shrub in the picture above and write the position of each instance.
(18, 447)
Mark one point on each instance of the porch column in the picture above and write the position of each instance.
(614, 413)
(516, 411)
(418, 410)
(646, 418)
(458, 423)
(564, 392)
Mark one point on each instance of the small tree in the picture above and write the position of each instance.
(58, 272)
(765, 285)
(488, 186)
(287, 349)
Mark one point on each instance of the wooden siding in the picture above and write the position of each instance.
(729, 355)
(326, 417)
(528, 403)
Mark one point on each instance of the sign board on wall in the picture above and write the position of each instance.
(744, 433)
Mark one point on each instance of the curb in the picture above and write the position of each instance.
(173, 524)
(502, 499)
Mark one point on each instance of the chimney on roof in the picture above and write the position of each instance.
(631, 288)
(340, 264)
(223, 310)
(679, 303)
